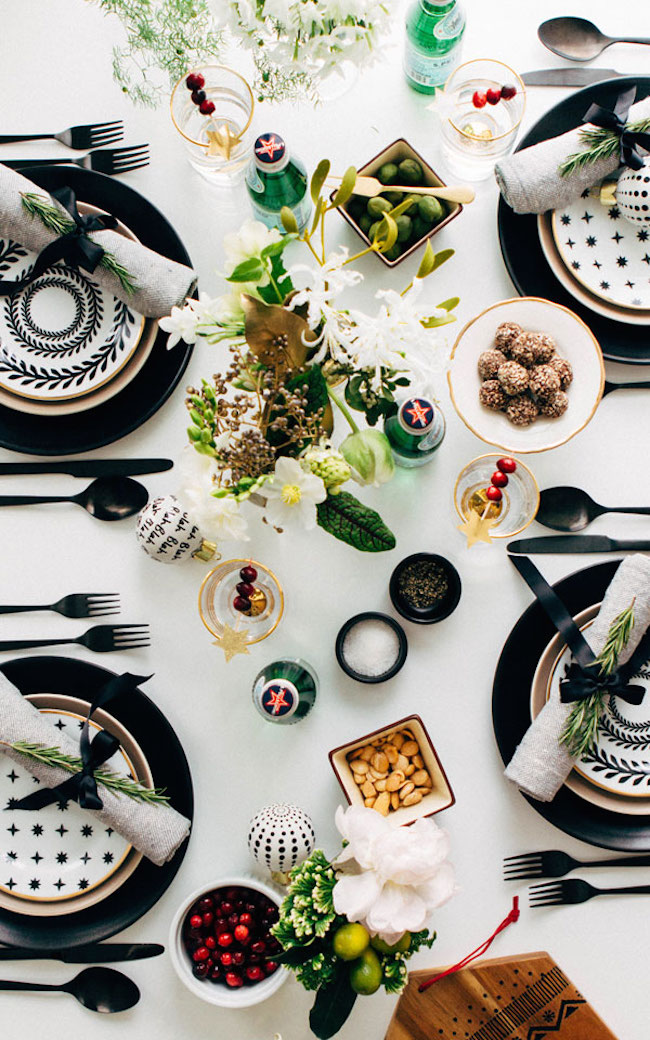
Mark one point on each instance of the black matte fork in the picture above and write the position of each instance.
(561, 893)
(101, 639)
(76, 605)
(556, 864)
(89, 135)
(110, 160)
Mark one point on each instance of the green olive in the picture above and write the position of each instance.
(365, 223)
(420, 229)
(430, 209)
(410, 171)
(393, 252)
(394, 197)
(365, 973)
(404, 227)
(378, 205)
(387, 173)
(412, 207)
(372, 230)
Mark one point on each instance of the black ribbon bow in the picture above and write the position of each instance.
(75, 247)
(82, 786)
(579, 684)
(615, 119)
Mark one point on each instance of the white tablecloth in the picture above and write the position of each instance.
(55, 71)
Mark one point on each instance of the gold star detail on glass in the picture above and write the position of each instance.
(221, 141)
(477, 529)
(233, 642)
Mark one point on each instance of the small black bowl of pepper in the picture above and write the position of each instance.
(425, 588)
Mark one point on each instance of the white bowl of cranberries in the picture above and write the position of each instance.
(221, 944)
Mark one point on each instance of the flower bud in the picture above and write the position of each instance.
(369, 454)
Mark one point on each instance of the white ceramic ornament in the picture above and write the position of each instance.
(167, 533)
(280, 837)
(633, 195)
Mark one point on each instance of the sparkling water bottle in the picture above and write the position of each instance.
(275, 179)
(434, 32)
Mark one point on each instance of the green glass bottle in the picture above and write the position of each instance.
(416, 432)
(285, 691)
(274, 179)
(434, 31)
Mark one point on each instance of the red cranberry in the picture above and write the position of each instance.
(245, 919)
(242, 604)
(210, 942)
(255, 958)
(494, 494)
(508, 90)
(239, 905)
(206, 107)
(226, 908)
(248, 573)
(271, 966)
(196, 921)
(239, 958)
(201, 954)
(207, 918)
(206, 904)
(258, 947)
(493, 97)
(225, 939)
(507, 465)
(254, 974)
(478, 99)
(499, 479)
(226, 959)
(250, 908)
(195, 935)
(198, 96)
(242, 934)
(200, 970)
(273, 945)
(195, 81)
(216, 974)
(271, 913)
(221, 927)
(233, 920)
(232, 893)
(234, 980)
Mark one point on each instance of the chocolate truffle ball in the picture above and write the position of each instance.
(492, 395)
(543, 347)
(563, 369)
(489, 363)
(513, 378)
(543, 381)
(554, 406)
(522, 410)
(505, 335)
(521, 349)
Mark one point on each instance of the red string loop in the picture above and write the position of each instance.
(512, 917)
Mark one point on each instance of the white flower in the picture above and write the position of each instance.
(181, 324)
(336, 334)
(217, 518)
(247, 244)
(390, 878)
(292, 495)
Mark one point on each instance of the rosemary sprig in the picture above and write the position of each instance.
(599, 144)
(53, 756)
(581, 729)
(54, 220)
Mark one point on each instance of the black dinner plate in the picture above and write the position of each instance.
(519, 239)
(511, 714)
(170, 770)
(150, 388)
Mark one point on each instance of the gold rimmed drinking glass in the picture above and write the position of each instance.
(520, 497)
(474, 139)
(217, 596)
(219, 145)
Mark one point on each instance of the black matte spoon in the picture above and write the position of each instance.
(98, 989)
(579, 39)
(107, 498)
(572, 509)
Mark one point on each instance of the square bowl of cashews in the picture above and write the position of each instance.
(394, 770)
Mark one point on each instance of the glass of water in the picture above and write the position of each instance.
(519, 502)
(481, 108)
(218, 142)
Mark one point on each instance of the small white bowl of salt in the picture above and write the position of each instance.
(371, 647)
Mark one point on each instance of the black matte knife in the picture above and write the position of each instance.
(568, 77)
(576, 543)
(88, 467)
(93, 953)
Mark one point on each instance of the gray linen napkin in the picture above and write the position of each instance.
(161, 283)
(540, 765)
(156, 831)
(530, 181)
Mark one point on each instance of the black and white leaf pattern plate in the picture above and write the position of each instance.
(62, 336)
(620, 761)
(605, 252)
(55, 853)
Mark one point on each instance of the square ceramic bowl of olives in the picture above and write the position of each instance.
(400, 164)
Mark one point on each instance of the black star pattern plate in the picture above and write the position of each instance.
(519, 238)
(605, 252)
(53, 854)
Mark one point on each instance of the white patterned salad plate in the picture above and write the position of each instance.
(605, 252)
(61, 859)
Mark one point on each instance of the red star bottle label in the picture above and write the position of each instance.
(285, 691)
(416, 432)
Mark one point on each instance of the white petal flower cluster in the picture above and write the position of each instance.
(217, 518)
(247, 244)
(336, 330)
(198, 317)
(390, 878)
(292, 495)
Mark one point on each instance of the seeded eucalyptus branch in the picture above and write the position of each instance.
(599, 144)
(52, 218)
(53, 756)
(579, 734)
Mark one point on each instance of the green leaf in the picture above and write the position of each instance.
(248, 271)
(320, 209)
(318, 179)
(289, 222)
(332, 1006)
(448, 305)
(345, 517)
(352, 394)
(386, 239)
(440, 258)
(298, 954)
(276, 248)
(427, 262)
(346, 189)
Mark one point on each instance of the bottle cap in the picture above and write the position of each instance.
(278, 698)
(416, 415)
(270, 151)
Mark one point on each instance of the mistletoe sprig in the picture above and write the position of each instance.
(54, 757)
(581, 729)
(599, 143)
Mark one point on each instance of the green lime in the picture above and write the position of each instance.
(387, 173)
(430, 209)
(350, 941)
(404, 227)
(394, 197)
(410, 172)
(401, 946)
(378, 205)
(365, 973)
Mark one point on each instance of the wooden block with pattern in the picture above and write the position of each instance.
(525, 997)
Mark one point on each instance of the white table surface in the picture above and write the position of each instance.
(55, 69)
